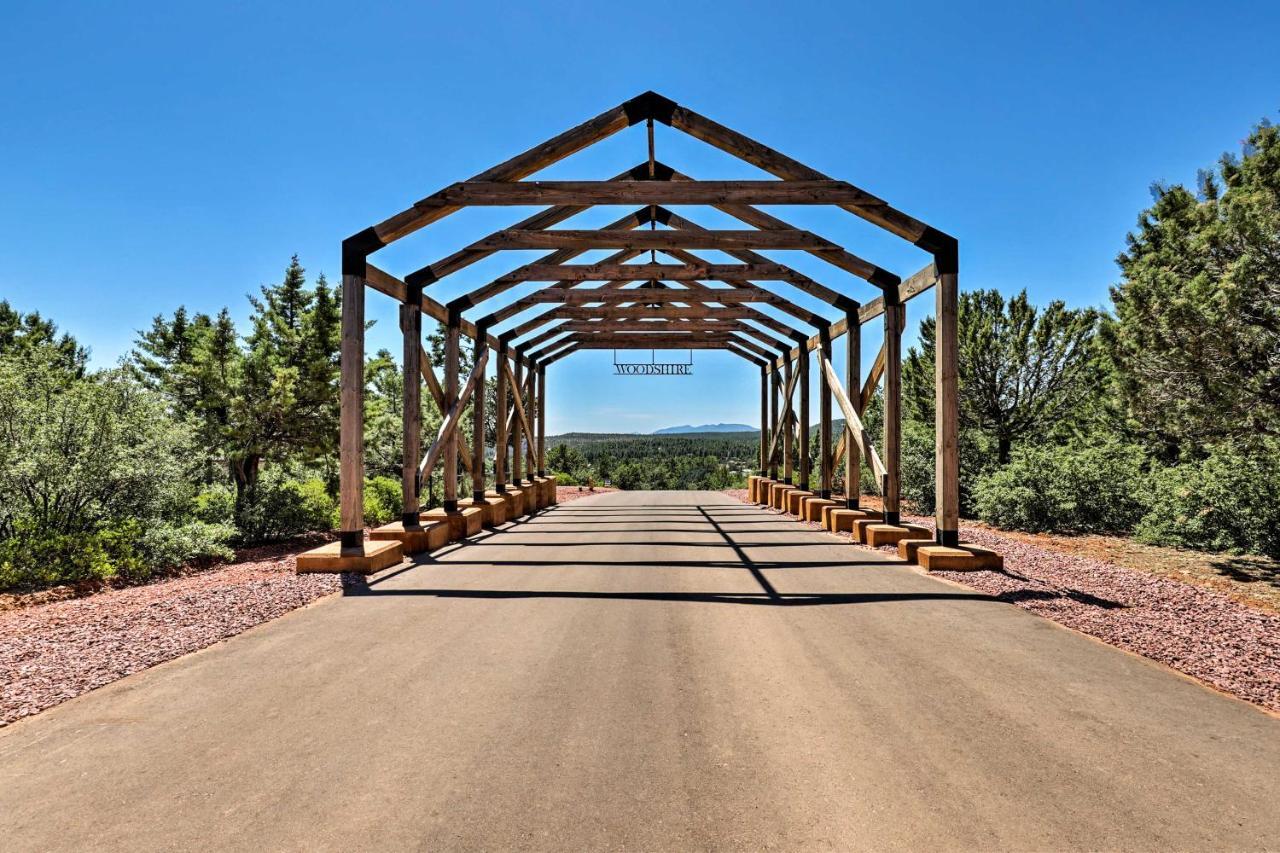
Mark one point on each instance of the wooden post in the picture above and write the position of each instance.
(542, 420)
(517, 455)
(776, 379)
(824, 416)
(764, 420)
(852, 381)
(892, 410)
(803, 382)
(351, 425)
(500, 416)
(788, 437)
(411, 328)
(449, 470)
(477, 427)
(946, 408)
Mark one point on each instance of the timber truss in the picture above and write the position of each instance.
(620, 302)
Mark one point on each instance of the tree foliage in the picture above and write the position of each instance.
(1196, 335)
(1023, 370)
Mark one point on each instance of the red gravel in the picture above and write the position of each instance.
(1199, 632)
(50, 653)
(565, 494)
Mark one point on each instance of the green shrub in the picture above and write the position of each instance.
(216, 505)
(29, 562)
(1066, 489)
(1229, 502)
(383, 500)
(564, 478)
(167, 546)
(280, 508)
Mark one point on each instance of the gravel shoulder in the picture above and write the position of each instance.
(54, 648)
(1205, 633)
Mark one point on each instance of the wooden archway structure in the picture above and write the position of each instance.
(618, 304)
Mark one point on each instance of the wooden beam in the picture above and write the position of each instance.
(449, 427)
(775, 388)
(838, 258)
(542, 420)
(500, 419)
(469, 255)
(640, 272)
(803, 365)
(859, 431)
(437, 394)
(946, 411)
(743, 147)
(485, 193)
(450, 448)
(893, 316)
(477, 429)
(432, 209)
(873, 380)
(790, 387)
(411, 436)
(519, 238)
(853, 457)
(919, 283)
(351, 418)
(649, 295)
(824, 423)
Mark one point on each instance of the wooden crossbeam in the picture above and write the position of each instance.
(787, 395)
(517, 238)
(913, 286)
(641, 272)
(873, 379)
(469, 255)
(647, 295)
(839, 258)
(437, 394)
(857, 430)
(575, 312)
(451, 419)
(429, 210)
(776, 163)
(475, 193)
(519, 404)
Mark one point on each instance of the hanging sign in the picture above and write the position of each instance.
(653, 368)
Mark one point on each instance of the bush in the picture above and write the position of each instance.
(216, 505)
(1229, 502)
(1066, 489)
(280, 508)
(383, 500)
(565, 479)
(168, 546)
(29, 562)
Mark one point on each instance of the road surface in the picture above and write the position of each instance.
(648, 671)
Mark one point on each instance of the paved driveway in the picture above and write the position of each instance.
(648, 670)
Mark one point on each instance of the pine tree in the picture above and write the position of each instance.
(1195, 340)
(1023, 371)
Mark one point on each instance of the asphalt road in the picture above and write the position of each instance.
(649, 671)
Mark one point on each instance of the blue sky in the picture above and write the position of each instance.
(156, 155)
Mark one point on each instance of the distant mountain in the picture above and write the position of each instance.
(705, 428)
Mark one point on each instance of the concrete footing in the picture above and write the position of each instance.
(330, 557)
(875, 535)
(463, 522)
(839, 519)
(493, 510)
(762, 490)
(414, 540)
(794, 497)
(959, 558)
(812, 508)
(777, 494)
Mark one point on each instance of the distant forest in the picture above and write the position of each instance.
(692, 460)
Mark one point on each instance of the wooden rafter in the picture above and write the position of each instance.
(608, 238)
